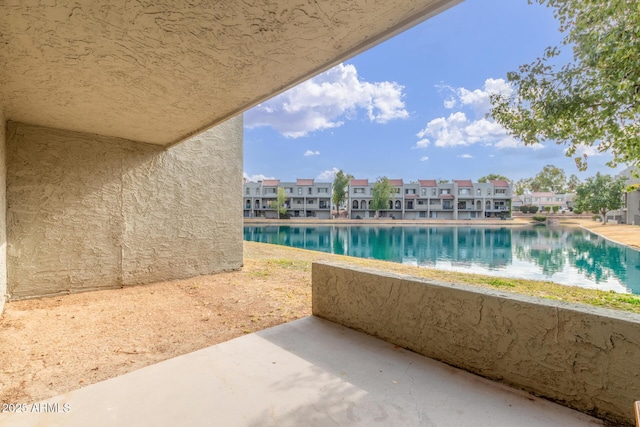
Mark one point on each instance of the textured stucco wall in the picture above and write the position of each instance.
(583, 357)
(88, 212)
(3, 212)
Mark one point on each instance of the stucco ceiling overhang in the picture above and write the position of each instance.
(160, 71)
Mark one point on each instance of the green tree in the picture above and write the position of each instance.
(340, 183)
(443, 181)
(493, 176)
(572, 183)
(381, 195)
(593, 98)
(280, 203)
(550, 178)
(600, 194)
(522, 186)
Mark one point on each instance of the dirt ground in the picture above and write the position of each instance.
(49, 346)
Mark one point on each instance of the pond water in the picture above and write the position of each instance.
(565, 255)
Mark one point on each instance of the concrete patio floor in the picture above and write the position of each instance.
(309, 372)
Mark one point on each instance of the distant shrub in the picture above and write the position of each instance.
(547, 209)
(524, 209)
(595, 217)
(556, 209)
(533, 209)
(577, 211)
(540, 218)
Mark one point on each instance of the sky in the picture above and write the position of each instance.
(414, 107)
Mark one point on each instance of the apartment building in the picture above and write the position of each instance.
(429, 199)
(304, 198)
(542, 199)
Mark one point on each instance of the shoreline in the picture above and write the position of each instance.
(622, 234)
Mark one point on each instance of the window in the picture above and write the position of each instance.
(311, 201)
(444, 191)
(433, 192)
(310, 190)
(247, 191)
(424, 191)
(257, 191)
(323, 190)
(410, 204)
(421, 202)
(358, 190)
(299, 191)
(478, 192)
(270, 191)
(410, 191)
(501, 191)
(434, 201)
(423, 214)
(288, 190)
(464, 192)
(488, 192)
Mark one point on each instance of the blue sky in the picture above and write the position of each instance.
(414, 106)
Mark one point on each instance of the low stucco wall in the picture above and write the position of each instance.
(582, 357)
(88, 212)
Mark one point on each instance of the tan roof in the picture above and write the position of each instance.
(360, 182)
(428, 183)
(270, 182)
(396, 182)
(446, 196)
(463, 182)
(304, 182)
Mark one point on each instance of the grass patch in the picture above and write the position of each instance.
(499, 283)
(282, 260)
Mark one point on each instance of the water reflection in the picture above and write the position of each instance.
(565, 255)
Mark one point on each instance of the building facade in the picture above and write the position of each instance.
(304, 198)
(429, 199)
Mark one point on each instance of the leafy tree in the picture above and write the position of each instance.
(524, 209)
(381, 194)
(600, 194)
(572, 183)
(340, 183)
(522, 186)
(591, 100)
(550, 178)
(279, 202)
(443, 181)
(555, 209)
(533, 209)
(493, 176)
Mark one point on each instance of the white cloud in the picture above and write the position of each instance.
(424, 158)
(327, 101)
(256, 177)
(464, 128)
(423, 143)
(449, 103)
(586, 150)
(311, 153)
(328, 175)
(465, 156)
